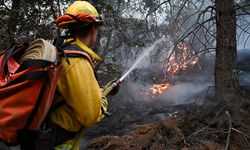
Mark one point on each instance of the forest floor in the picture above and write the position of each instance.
(186, 127)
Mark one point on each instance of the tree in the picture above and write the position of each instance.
(27, 19)
(216, 28)
(226, 77)
(14, 15)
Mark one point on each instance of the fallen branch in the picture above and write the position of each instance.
(184, 139)
(229, 130)
(244, 135)
(196, 132)
(247, 141)
(241, 133)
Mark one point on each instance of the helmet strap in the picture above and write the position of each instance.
(75, 18)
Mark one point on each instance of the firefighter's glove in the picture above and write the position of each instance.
(104, 104)
(104, 107)
(115, 89)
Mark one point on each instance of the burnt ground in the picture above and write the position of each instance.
(200, 123)
(197, 121)
(159, 125)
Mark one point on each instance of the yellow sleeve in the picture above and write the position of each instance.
(81, 91)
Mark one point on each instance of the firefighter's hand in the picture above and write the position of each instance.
(115, 90)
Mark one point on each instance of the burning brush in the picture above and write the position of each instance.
(180, 59)
(157, 89)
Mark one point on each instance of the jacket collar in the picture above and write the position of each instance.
(88, 50)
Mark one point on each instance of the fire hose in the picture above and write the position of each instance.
(114, 85)
(106, 92)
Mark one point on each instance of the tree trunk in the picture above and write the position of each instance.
(226, 78)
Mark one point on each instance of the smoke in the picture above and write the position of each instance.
(189, 87)
(184, 88)
(244, 66)
(185, 93)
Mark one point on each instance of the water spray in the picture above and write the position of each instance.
(138, 60)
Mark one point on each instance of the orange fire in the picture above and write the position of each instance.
(156, 90)
(180, 60)
(159, 88)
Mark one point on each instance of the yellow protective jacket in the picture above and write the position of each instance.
(81, 91)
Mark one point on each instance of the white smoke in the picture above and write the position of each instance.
(184, 92)
(184, 88)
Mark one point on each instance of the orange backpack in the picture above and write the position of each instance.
(26, 88)
(28, 79)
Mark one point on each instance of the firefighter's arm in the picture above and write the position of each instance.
(82, 92)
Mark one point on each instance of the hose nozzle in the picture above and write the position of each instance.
(111, 87)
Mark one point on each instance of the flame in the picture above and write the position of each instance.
(179, 61)
(159, 88)
(156, 90)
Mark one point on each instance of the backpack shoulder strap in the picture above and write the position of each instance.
(75, 51)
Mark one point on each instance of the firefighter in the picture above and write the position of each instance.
(78, 87)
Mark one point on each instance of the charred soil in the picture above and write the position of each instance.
(183, 127)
